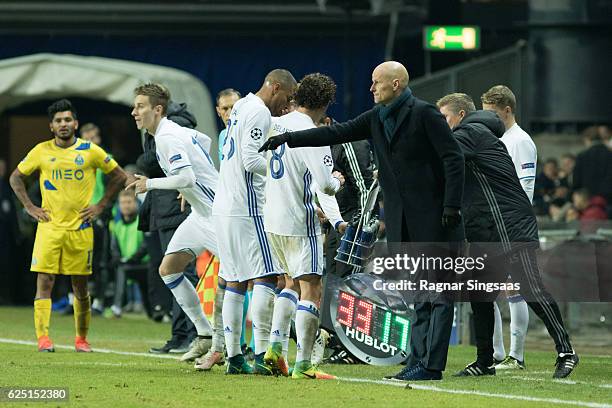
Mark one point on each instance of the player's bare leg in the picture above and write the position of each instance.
(171, 272)
(42, 310)
(82, 312)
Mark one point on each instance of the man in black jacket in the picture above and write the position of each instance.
(421, 175)
(161, 214)
(497, 210)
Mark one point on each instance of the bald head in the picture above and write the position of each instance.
(389, 80)
(281, 77)
(277, 90)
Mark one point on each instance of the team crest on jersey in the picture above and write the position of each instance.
(52, 159)
(79, 160)
(327, 160)
(256, 133)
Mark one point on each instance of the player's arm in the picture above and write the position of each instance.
(176, 160)
(526, 159)
(320, 163)
(256, 128)
(18, 184)
(330, 208)
(353, 130)
(116, 180)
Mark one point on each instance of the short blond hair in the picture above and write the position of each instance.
(457, 102)
(500, 96)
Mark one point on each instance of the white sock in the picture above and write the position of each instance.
(288, 336)
(262, 307)
(232, 321)
(284, 306)
(218, 340)
(306, 325)
(499, 352)
(519, 322)
(187, 298)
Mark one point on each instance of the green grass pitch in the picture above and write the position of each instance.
(111, 379)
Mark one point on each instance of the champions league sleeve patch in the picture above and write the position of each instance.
(107, 159)
(528, 166)
(174, 158)
(327, 160)
(256, 133)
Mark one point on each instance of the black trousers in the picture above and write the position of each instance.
(523, 268)
(431, 334)
(139, 274)
(182, 328)
(159, 296)
(99, 263)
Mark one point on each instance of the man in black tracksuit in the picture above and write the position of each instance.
(354, 161)
(496, 209)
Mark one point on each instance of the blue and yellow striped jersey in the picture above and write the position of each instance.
(67, 178)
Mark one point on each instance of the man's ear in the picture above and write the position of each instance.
(275, 88)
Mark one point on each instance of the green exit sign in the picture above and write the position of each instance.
(451, 38)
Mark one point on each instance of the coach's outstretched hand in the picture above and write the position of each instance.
(275, 141)
(451, 217)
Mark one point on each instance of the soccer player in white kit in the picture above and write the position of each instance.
(524, 154)
(183, 155)
(294, 177)
(238, 218)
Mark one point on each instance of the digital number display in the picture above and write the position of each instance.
(363, 320)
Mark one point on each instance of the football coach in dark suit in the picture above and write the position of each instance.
(421, 173)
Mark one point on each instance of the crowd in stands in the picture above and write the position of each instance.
(578, 188)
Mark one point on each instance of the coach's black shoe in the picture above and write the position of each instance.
(165, 349)
(404, 372)
(475, 370)
(565, 365)
(420, 373)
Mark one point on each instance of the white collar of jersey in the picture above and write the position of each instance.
(251, 95)
(161, 123)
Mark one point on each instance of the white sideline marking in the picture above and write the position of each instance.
(97, 350)
(361, 380)
(479, 393)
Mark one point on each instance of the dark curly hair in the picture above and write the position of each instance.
(315, 91)
(62, 105)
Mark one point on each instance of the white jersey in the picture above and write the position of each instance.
(178, 147)
(243, 169)
(293, 179)
(524, 154)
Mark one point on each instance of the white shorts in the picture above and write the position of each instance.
(298, 256)
(244, 249)
(195, 234)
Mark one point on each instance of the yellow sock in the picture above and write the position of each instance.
(82, 315)
(42, 316)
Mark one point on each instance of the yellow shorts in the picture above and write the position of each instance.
(63, 252)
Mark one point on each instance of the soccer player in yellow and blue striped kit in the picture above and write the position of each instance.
(64, 237)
